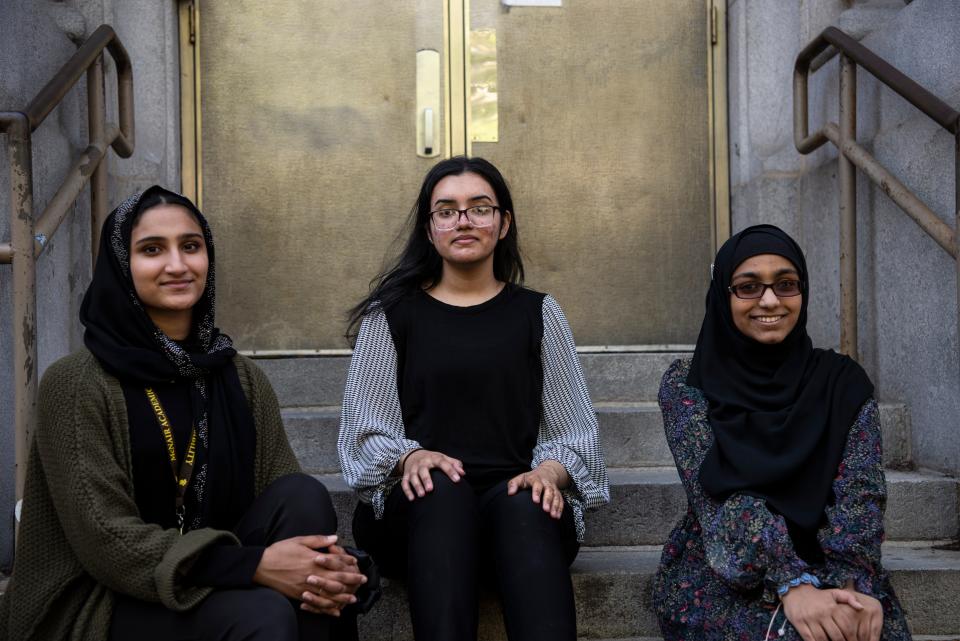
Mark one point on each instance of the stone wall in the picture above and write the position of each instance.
(908, 302)
(907, 284)
(36, 38)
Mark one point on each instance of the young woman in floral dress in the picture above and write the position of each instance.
(778, 448)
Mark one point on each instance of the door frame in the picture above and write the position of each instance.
(456, 65)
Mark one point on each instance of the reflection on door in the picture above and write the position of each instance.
(320, 118)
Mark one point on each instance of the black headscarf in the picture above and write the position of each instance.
(120, 333)
(779, 413)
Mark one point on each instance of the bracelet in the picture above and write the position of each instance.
(406, 455)
(806, 578)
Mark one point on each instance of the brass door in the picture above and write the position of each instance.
(599, 113)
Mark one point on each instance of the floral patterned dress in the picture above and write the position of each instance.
(722, 563)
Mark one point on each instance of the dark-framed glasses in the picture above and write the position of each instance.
(784, 288)
(479, 216)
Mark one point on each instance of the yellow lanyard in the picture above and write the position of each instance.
(182, 475)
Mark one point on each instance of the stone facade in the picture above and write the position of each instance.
(907, 284)
(36, 39)
(908, 299)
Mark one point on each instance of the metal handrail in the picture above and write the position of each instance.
(28, 238)
(830, 42)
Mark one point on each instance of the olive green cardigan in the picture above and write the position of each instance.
(81, 537)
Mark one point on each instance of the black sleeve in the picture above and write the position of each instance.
(226, 566)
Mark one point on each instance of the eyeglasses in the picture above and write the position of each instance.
(479, 216)
(781, 289)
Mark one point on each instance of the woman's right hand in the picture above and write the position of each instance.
(416, 465)
(323, 581)
(822, 614)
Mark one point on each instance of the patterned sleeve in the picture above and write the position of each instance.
(854, 530)
(568, 424)
(372, 437)
(745, 543)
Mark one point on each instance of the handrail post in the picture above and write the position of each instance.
(24, 291)
(848, 209)
(956, 206)
(96, 118)
(25, 243)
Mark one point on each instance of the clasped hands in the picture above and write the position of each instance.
(833, 614)
(545, 481)
(324, 582)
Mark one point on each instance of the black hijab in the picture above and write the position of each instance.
(120, 333)
(779, 413)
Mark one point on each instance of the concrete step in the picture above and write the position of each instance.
(611, 377)
(631, 434)
(612, 587)
(646, 503)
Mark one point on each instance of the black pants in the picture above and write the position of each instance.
(294, 505)
(447, 541)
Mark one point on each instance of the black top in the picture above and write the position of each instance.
(153, 484)
(221, 566)
(470, 379)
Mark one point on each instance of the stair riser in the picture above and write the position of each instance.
(929, 598)
(608, 605)
(615, 603)
(645, 513)
(630, 436)
(312, 382)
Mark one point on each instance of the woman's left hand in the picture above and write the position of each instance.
(870, 618)
(545, 483)
(337, 576)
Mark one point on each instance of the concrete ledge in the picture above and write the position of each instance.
(626, 377)
(612, 593)
(612, 588)
(611, 377)
(921, 506)
(646, 503)
(312, 432)
(307, 381)
(631, 435)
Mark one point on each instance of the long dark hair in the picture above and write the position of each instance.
(419, 265)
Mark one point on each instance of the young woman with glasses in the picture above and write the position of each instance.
(778, 449)
(466, 426)
(162, 499)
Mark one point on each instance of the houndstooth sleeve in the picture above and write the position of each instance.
(372, 437)
(568, 423)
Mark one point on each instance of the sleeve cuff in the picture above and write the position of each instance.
(805, 578)
(226, 566)
(579, 475)
(863, 582)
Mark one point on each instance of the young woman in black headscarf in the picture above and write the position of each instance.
(778, 449)
(162, 498)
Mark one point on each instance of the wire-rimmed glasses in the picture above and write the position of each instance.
(478, 216)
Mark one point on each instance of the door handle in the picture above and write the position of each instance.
(428, 131)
